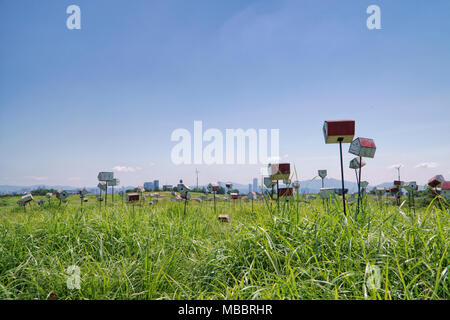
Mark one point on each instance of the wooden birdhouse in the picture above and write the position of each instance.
(279, 171)
(363, 147)
(398, 183)
(355, 163)
(105, 176)
(436, 181)
(229, 185)
(234, 196)
(224, 218)
(339, 131)
(322, 173)
(132, 197)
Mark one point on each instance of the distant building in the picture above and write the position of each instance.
(249, 187)
(255, 185)
(156, 184)
(167, 187)
(148, 185)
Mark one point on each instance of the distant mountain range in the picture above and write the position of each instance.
(306, 186)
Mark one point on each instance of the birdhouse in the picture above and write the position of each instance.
(234, 196)
(268, 182)
(49, 195)
(296, 185)
(322, 173)
(105, 176)
(102, 185)
(251, 195)
(27, 198)
(355, 163)
(182, 188)
(132, 197)
(229, 185)
(113, 182)
(436, 181)
(83, 192)
(380, 191)
(363, 147)
(61, 194)
(41, 202)
(364, 184)
(394, 189)
(412, 186)
(339, 131)
(224, 218)
(85, 199)
(445, 190)
(285, 192)
(99, 198)
(279, 171)
(326, 193)
(213, 187)
(141, 189)
(398, 183)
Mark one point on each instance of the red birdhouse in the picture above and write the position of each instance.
(342, 130)
(132, 197)
(445, 190)
(285, 192)
(279, 171)
(363, 147)
(436, 181)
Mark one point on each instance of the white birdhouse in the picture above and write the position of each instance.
(182, 188)
(224, 218)
(27, 198)
(412, 186)
(105, 176)
(355, 163)
(363, 147)
(213, 187)
(49, 195)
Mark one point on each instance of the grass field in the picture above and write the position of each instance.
(158, 252)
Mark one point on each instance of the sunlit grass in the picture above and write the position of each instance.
(158, 252)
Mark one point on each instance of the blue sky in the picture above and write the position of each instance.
(75, 102)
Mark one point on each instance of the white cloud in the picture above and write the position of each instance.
(126, 169)
(427, 165)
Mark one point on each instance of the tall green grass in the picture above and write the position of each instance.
(158, 252)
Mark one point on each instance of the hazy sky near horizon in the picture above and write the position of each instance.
(75, 102)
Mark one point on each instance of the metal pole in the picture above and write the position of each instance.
(342, 176)
(106, 194)
(278, 198)
(359, 185)
(214, 194)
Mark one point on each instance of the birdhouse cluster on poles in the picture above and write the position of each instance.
(106, 179)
